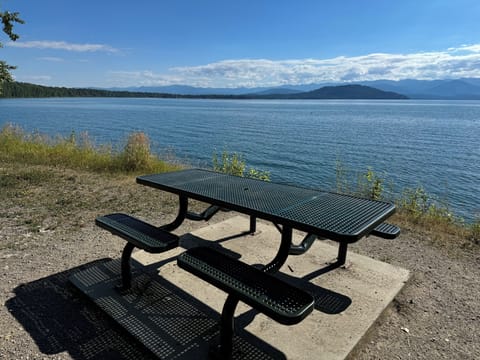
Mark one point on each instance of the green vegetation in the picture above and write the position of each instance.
(415, 206)
(8, 19)
(235, 164)
(26, 90)
(79, 152)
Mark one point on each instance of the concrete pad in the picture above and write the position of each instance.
(348, 299)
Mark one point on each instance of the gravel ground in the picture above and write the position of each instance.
(47, 231)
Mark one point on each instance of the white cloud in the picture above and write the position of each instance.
(142, 78)
(50, 58)
(62, 45)
(37, 79)
(462, 61)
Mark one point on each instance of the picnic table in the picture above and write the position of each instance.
(320, 214)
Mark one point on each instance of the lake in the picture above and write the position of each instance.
(434, 144)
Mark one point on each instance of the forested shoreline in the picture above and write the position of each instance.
(27, 90)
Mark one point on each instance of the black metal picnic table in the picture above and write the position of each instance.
(320, 214)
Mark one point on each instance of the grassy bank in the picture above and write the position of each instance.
(79, 152)
(417, 210)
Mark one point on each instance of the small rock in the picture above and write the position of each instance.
(405, 330)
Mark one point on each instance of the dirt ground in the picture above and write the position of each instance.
(47, 232)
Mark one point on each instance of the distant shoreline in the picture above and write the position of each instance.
(342, 92)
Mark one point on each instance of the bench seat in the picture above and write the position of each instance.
(138, 234)
(277, 299)
(264, 292)
(141, 234)
(386, 231)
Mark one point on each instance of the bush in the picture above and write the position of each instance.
(370, 185)
(420, 204)
(234, 164)
(136, 153)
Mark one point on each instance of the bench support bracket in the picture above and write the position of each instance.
(126, 271)
(227, 329)
(182, 214)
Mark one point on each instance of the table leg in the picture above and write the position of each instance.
(253, 224)
(182, 214)
(342, 253)
(282, 253)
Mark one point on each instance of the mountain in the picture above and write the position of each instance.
(349, 92)
(457, 89)
(276, 91)
(337, 92)
(191, 90)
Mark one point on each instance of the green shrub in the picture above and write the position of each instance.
(420, 204)
(232, 164)
(370, 185)
(235, 164)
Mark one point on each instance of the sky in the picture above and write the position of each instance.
(241, 43)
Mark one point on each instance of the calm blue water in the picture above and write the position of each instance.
(430, 143)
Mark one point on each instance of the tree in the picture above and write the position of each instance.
(8, 20)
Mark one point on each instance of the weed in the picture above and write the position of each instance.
(474, 233)
(235, 164)
(415, 205)
(370, 185)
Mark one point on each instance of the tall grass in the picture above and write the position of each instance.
(415, 206)
(79, 152)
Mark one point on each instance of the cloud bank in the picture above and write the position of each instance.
(62, 45)
(463, 61)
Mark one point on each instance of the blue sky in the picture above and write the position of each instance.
(222, 43)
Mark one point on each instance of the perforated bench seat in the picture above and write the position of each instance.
(279, 300)
(138, 234)
(141, 234)
(386, 231)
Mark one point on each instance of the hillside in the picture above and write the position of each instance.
(348, 92)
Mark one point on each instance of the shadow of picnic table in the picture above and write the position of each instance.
(59, 320)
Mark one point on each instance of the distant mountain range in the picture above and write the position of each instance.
(23, 90)
(456, 89)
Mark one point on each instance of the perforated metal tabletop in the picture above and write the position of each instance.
(331, 215)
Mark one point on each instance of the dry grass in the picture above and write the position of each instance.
(79, 152)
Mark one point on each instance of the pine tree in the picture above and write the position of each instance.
(8, 20)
